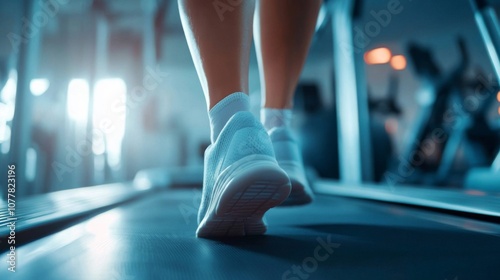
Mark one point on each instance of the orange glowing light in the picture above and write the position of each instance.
(391, 126)
(378, 56)
(475, 192)
(498, 96)
(398, 62)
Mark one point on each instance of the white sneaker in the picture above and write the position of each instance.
(242, 180)
(290, 159)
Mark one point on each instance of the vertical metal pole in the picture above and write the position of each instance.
(487, 22)
(132, 149)
(489, 27)
(496, 163)
(97, 71)
(350, 158)
(148, 34)
(365, 139)
(21, 124)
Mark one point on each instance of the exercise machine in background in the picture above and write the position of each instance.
(453, 130)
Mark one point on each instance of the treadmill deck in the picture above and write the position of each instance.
(333, 238)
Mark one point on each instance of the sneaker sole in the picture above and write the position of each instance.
(256, 185)
(300, 193)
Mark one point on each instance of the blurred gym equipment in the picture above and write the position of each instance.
(447, 122)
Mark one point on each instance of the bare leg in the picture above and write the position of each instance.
(241, 178)
(283, 32)
(219, 41)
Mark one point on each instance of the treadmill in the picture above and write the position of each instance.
(145, 229)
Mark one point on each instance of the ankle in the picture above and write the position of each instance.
(274, 118)
(220, 114)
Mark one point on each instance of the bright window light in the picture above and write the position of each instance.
(78, 99)
(6, 112)
(39, 86)
(31, 158)
(378, 56)
(4, 132)
(5, 147)
(8, 94)
(110, 118)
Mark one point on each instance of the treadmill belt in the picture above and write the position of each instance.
(333, 238)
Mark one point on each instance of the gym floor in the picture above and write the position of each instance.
(333, 238)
